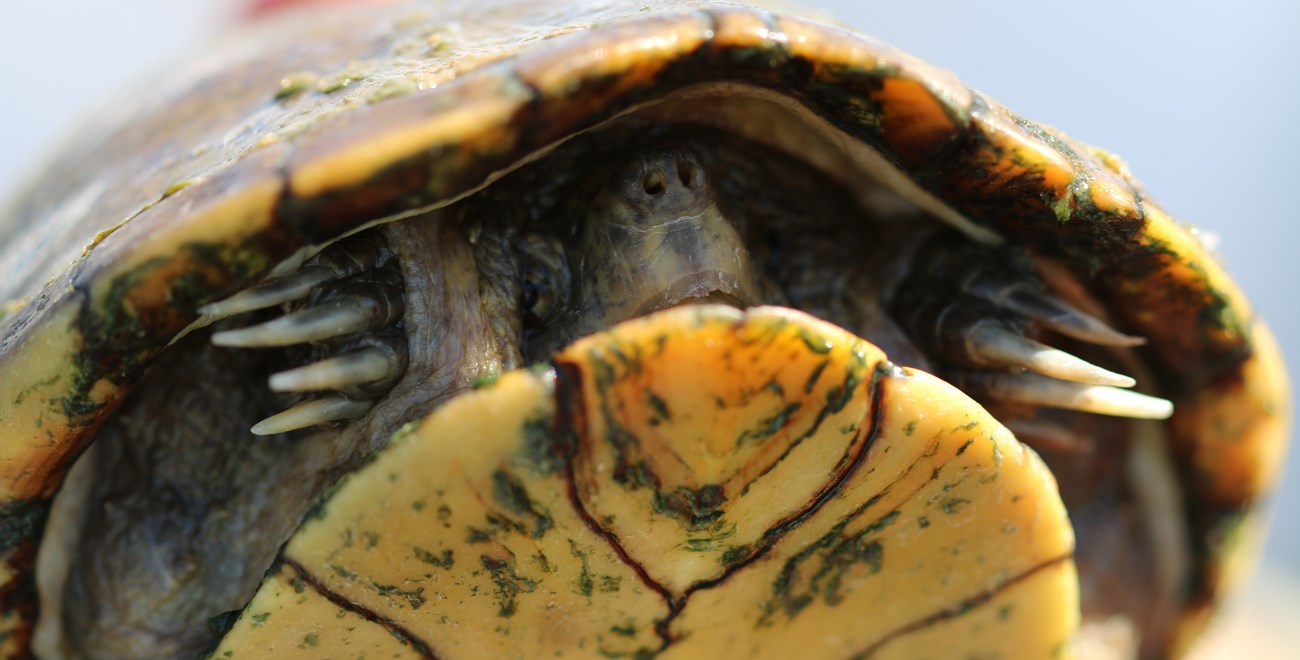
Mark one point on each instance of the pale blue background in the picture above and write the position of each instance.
(1201, 98)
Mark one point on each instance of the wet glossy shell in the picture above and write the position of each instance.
(701, 483)
(261, 150)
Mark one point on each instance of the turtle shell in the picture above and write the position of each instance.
(773, 539)
(275, 144)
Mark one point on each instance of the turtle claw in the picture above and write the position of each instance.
(345, 317)
(368, 365)
(1001, 347)
(358, 254)
(331, 408)
(1055, 314)
(272, 292)
(1020, 293)
(975, 311)
(329, 320)
(1037, 389)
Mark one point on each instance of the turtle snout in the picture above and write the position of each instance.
(667, 184)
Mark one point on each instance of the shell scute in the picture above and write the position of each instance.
(606, 66)
(458, 129)
(534, 515)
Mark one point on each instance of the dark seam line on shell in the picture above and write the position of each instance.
(770, 24)
(960, 608)
(817, 424)
(871, 431)
(708, 44)
(526, 118)
(710, 32)
(955, 141)
(787, 59)
(1140, 204)
(770, 539)
(394, 628)
(1081, 173)
(1056, 144)
(971, 136)
(535, 98)
(570, 406)
(281, 217)
(877, 417)
(285, 175)
(928, 170)
(979, 107)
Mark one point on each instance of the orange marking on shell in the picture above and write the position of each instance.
(1234, 434)
(830, 48)
(745, 392)
(915, 123)
(1187, 262)
(605, 65)
(1010, 155)
(474, 115)
(1111, 195)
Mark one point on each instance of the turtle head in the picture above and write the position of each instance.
(650, 234)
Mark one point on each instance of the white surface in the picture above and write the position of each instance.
(1202, 99)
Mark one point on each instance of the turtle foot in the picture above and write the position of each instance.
(344, 311)
(977, 315)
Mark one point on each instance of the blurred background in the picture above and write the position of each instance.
(1201, 98)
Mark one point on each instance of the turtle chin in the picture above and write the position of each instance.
(702, 288)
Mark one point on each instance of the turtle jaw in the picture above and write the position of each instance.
(631, 271)
(706, 288)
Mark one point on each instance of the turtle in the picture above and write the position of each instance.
(338, 224)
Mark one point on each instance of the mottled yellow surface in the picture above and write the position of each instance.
(32, 425)
(769, 415)
(317, 626)
(572, 513)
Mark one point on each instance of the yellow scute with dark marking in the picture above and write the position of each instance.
(700, 482)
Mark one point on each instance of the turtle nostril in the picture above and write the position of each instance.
(667, 181)
(686, 173)
(653, 182)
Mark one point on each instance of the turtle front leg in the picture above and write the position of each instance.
(184, 511)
